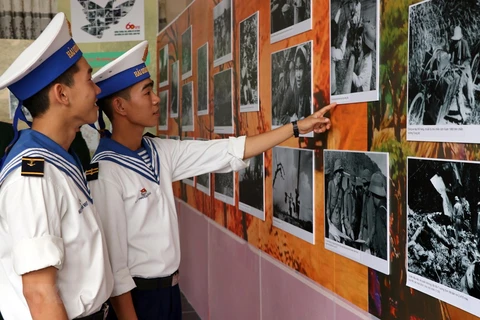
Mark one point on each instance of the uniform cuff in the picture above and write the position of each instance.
(236, 147)
(123, 282)
(38, 253)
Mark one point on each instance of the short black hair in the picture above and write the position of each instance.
(105, 104)
(38, 103)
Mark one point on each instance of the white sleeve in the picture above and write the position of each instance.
(193, 158)
(365, 73)
(110, 206)
(33, 210)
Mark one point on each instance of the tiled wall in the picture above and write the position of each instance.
(224, 277)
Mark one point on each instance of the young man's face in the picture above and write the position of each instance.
(83, 94)
(143, 105)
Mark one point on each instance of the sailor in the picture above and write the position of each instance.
(53, 258)
(134, 192)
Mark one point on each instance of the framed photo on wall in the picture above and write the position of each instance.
(203, 79)
(356, 203)
(293, 189)
(249, 75)
(222, 32)
(187, 53)
(289, 18)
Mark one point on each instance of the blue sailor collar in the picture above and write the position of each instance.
(32, 143)
(110, 150)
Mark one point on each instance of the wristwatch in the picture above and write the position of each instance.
(296, 133)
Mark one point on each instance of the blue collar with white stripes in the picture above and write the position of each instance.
(110, 150)
(32, 143)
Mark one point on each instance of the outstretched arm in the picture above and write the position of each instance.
(259, 143)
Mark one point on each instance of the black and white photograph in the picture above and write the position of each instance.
(225, 187)
(174, 88)
(203, 180)
(443, 230)
(252, 188)
(189, 181)
(356, 201)
(163, 110)
(223, 102)
(292, 84)
(249, 64)
(222, 32)
(443, 97)
(13, 104)
(202, 80)
(289, 18)
(187, 107)
(111, 22)
(354, 50)
(293, 189)
(163, 66)
(187, 53)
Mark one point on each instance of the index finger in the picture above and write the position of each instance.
(325, 109)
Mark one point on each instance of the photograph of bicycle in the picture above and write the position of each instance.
(443, 71)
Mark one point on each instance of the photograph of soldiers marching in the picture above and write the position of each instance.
(356, 206)
(443, 238)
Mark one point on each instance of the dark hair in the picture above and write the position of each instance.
(105, 104)
(38, 103)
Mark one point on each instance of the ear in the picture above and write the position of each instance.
(59, 94)
(118, 106)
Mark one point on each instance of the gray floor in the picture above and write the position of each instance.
(188, 313)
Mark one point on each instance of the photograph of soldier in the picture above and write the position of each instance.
(293, 189)
(442, 230)
(187, 53)
(202, 80)
(291, 84)
(443, 66)
(288, 18)
(222, 32)
(356, 210)
(353, 53)
(249, 64)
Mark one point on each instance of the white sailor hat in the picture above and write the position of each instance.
(123, 72)
(50, 55)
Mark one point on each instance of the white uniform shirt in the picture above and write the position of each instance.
(137, 205)
(50, 221)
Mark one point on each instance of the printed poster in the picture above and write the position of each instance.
(107, 20)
